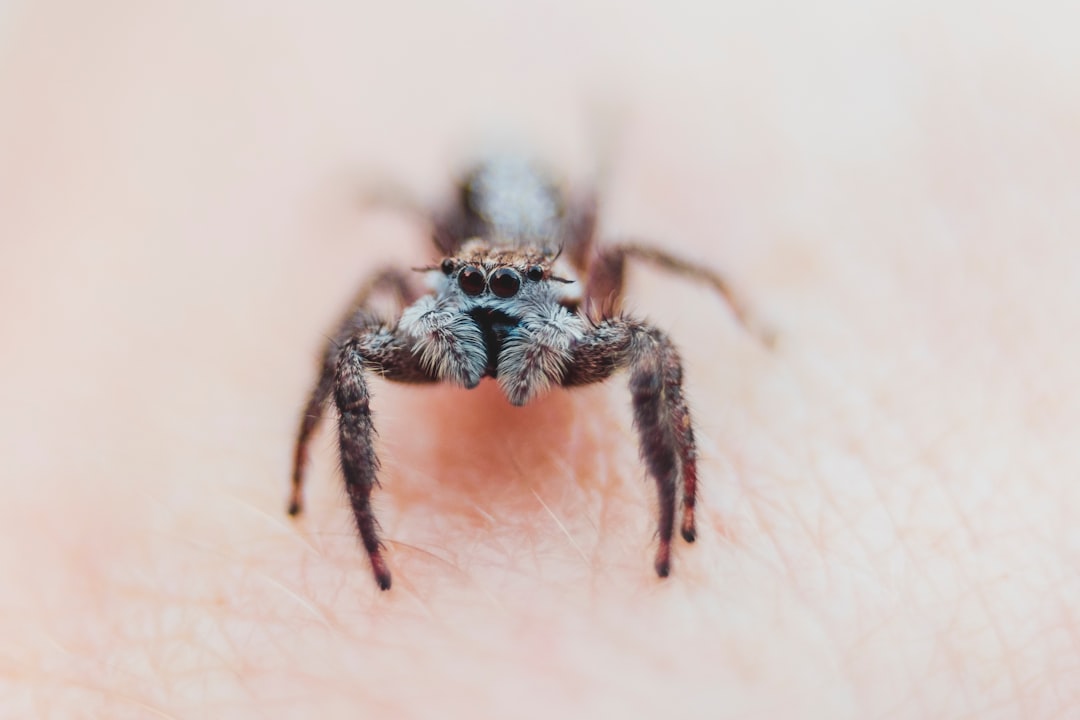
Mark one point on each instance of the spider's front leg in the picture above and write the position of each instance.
(388, 353)
(660, 413)
(357, 319)
(361, 344)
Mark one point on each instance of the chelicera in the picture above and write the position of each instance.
(522, 295)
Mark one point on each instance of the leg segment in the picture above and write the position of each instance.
(358, 460)
(684, 438)
(389, 354)
(579, 229)
(607, 277)
(660, 412)
(392, 281)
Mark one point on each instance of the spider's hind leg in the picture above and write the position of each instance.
(607, 279)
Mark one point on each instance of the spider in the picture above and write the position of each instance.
(522, 295)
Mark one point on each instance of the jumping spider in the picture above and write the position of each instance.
(520, 295)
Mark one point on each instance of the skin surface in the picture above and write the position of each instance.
(890, 498)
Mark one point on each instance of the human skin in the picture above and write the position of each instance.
(889, 497)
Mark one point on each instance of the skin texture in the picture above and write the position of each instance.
(887, 524)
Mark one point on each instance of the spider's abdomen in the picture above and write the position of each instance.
(495, 326)
(514, 201)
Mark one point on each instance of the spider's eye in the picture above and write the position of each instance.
(447, 266)
(535, 273)
(471, 280)
(505, 282)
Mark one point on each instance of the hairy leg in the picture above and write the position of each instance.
(579, 229)
(387, 353)
(660, 412)
(358, 461)
(607, 277)
(392, 281)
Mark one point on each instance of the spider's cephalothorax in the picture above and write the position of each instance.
(521, 295)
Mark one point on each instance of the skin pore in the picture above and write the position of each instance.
(888, 498)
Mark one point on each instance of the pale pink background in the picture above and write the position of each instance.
(891, 499)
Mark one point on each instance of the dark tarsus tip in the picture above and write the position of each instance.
(663, 559)
(689, 534)
(382, 573)
(294, 508)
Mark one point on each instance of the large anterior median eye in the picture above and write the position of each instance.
(505, 282)
(471, 280)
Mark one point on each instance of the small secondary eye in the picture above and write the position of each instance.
(535, 273)
(447, 266)
(505, 282)
(471, 280)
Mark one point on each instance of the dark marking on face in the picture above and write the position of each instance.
(495, 326)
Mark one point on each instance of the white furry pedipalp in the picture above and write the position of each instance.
(448, 342)
(535, 354)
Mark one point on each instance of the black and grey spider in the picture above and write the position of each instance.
(520, 295)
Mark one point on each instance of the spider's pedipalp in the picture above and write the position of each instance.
(449, 343)
(536, 352)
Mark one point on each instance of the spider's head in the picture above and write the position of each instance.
(503, 278)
